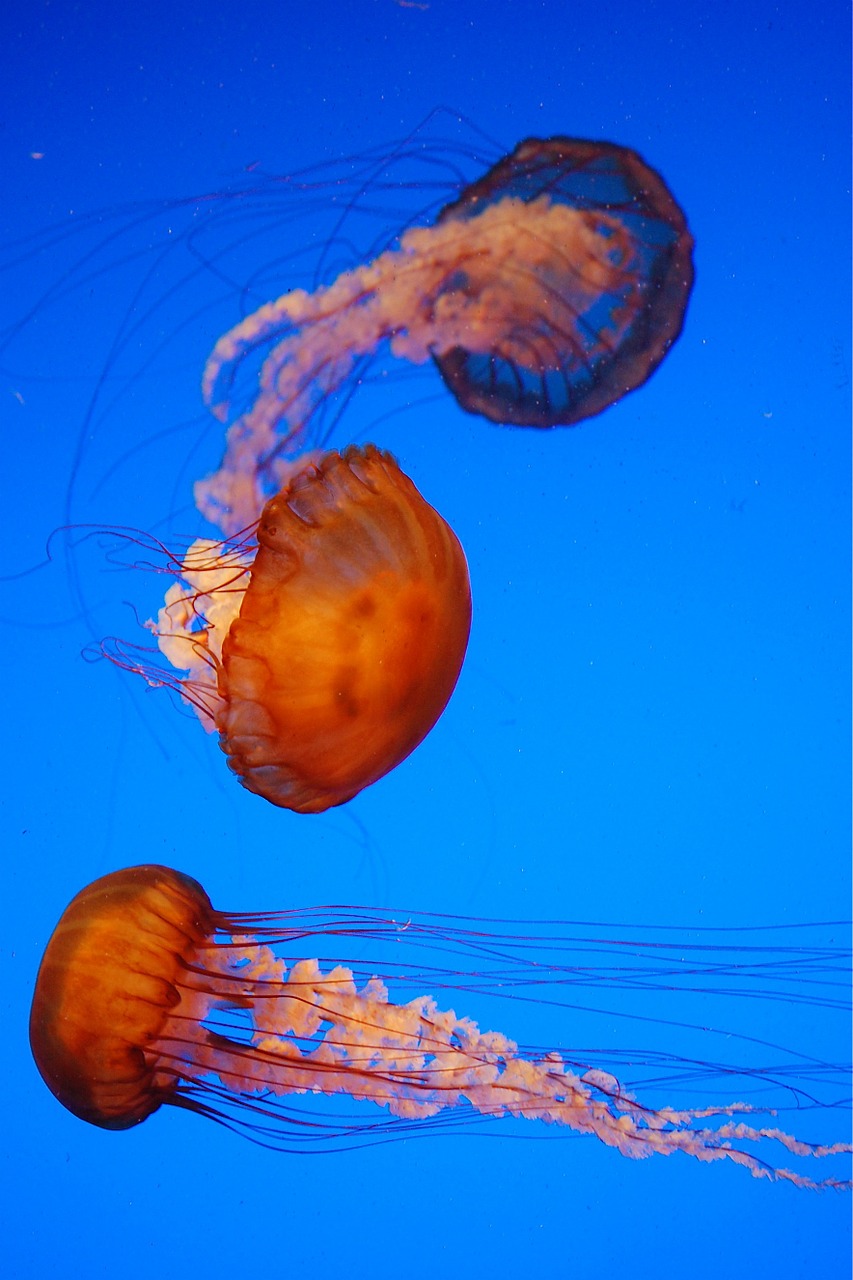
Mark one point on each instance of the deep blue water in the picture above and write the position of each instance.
(652, 724)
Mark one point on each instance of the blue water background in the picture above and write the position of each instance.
(652, 724)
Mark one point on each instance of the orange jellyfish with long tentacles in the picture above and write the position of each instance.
(147, 996)
(550, 288)
(324, 647)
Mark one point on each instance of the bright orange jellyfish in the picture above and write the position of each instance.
(550, 288)
(147, 995)
(324, 658)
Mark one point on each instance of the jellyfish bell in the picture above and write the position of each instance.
(147, 996)
(546, 291)
(326, 653)
(604, 301)
(106, 987)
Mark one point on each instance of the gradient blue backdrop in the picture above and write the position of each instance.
(652, 723)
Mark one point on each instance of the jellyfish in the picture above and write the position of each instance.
(550, 288)
(147, 995)
(324, 646)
